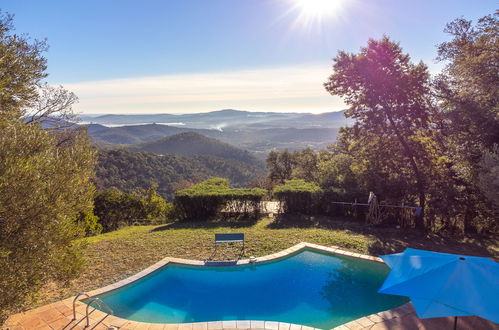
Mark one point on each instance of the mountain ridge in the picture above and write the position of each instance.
(194, 144)
(214, 119)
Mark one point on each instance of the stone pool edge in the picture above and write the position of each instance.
(284, 253)
(99, 318)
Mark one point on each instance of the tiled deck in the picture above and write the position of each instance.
(59, 315)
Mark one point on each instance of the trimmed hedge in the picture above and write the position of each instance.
(215, 197)
(298, 196)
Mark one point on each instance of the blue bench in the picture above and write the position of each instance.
(229, 238)
(220, 238)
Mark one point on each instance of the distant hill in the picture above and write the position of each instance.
(254, 139)
(128, 170)
(194, 144)
(225, 118)
(136, 134)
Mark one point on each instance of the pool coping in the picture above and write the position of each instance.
(111, 321)
(189, 262)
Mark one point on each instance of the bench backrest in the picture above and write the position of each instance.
(239, 237)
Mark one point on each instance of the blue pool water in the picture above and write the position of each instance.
(309, 288)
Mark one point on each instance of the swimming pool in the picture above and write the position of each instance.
(309, 287)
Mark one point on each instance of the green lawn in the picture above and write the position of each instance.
(113, 256)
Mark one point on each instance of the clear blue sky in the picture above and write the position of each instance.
(119, 42)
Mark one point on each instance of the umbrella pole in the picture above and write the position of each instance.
(455, 323)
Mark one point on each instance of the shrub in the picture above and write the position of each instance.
(156, 209)
(215, 197)
(116, 209)
(298, 196)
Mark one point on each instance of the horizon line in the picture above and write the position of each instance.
(203, 112)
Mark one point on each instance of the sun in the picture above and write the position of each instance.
(317, 8)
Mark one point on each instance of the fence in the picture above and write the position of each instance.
(375, 213)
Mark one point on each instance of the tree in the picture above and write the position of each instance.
(45, 188)
(23, 94)
(469, 101)
(116, 209)
(156, 208)
(280, 166)
(340, 173)
(388, 97)
(305, 165)
(22, 69)
(472, 57)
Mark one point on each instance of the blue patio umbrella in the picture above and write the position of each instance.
(442, 284)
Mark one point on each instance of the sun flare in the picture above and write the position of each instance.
(317, 8)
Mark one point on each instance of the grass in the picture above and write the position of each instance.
(113, 256)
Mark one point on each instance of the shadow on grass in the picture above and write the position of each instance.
(388, 240)
(208, 224)
(396, 240)
(284, 221)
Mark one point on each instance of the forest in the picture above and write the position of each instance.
(128, 170)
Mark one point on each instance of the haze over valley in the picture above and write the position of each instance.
(258, 132)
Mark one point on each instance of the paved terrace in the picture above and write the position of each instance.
(59, 315)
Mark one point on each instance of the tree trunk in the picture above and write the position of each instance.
(419, 179)
(469, 215)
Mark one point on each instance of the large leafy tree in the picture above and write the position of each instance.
(280, 166)
(469, 107)
(305, 164)
(45, 189)
(23, 93)
(115, 208)
(388, 96)
(22, 68)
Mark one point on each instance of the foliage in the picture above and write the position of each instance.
(45, 187)
(468, 122)
(298, 196)
(471, 71)
(21, 70)
(43, 190)
(156, 208)
(388, 98)
(342, 176)
(417, 140)
(116, 209)
(285, 165)
(488, 177)
(212, 197)
(90, 222)
(305, 165)
(128, 171)
(279, 165)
